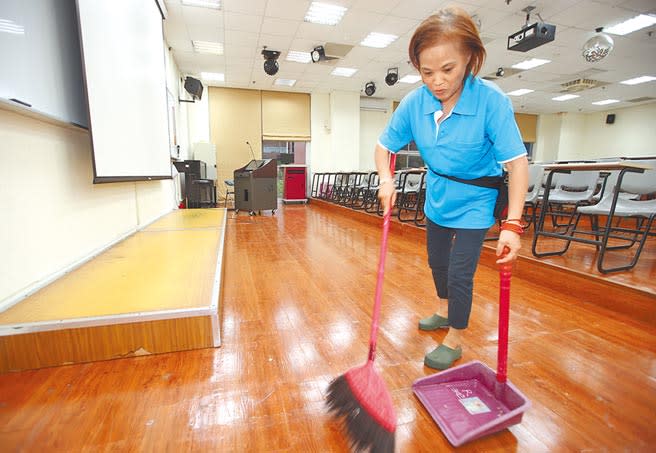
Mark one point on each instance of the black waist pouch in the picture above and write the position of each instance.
(491, 182)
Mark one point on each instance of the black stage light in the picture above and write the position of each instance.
(318, 53)
(500, 72)
(392, 76)
(370, 88)
(270, 61)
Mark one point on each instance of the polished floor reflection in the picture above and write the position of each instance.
(297, 296)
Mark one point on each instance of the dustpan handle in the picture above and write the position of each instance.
(381, 273)
(505, 273)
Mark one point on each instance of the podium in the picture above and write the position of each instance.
(295, 181)
(256, 186)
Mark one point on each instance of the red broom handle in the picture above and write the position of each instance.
(381, 272)
(505, 273)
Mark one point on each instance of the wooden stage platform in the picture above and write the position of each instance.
(156, 291)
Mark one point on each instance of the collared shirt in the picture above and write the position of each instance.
(478, 136)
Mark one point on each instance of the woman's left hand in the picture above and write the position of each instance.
(511, 240)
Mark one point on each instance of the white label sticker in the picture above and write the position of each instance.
(474, 405)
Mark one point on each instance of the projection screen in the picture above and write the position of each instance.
(124, 71)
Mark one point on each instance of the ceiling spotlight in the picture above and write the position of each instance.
(392, 76)
(597, 47)
(317, 54)
(270, 61)
(370, 88)
(500, 72)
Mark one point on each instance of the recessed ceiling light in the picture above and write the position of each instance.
(214, 4)
(378, 40)
(344, 72)
(285, 82)
(631, 25)
(530, 63)
(299, 57)
(410, 78)
(606, 102)
(565, 97)
(638, 80)
(212, 76)
(215, 48)
(324, 13)
(520, 92)
(8, 26)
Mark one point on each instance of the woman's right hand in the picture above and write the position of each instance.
(387, 195)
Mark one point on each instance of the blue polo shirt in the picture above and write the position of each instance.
(475, 140)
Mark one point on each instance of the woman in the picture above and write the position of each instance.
(464, 127)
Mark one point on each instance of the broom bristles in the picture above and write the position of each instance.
(369, 427)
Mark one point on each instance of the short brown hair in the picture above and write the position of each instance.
(450, 23)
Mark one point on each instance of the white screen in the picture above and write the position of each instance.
(125, 75)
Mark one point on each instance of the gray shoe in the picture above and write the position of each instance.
(442, 357)
(433, 323)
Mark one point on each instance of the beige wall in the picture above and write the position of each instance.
(576, 136)
(372, 124)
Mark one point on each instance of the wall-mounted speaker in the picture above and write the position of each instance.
(610, 118)
(194, 87)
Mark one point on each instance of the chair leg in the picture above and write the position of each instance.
(636, 256)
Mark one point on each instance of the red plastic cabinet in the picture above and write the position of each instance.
(294, 183)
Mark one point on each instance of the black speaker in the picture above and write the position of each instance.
(610, 118)
(194, 87)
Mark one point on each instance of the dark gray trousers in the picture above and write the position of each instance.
(453, 255)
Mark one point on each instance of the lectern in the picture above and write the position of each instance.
(256, 186)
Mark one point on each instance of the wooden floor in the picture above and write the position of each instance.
(297, 296)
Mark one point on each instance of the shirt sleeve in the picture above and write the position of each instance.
(398, 132)
(507, 143)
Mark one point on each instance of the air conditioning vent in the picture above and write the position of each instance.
(577, 85)
(642, 99)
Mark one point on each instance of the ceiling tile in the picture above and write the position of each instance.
(279, 27)
(243, 22)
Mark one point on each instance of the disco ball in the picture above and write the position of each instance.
(597, 47)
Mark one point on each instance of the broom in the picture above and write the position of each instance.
(359, 396)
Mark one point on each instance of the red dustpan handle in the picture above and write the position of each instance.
(381, 272)
(505, 273)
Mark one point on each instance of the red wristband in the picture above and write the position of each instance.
(512, 227)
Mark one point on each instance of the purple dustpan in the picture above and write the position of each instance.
(471, 400)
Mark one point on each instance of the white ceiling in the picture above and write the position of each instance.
(246, 26)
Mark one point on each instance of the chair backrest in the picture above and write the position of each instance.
(578, 180)
(535, 174)
(640, 183)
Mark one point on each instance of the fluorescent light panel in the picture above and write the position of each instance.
(631, 25)
(214, 4)
(378, 40)
(606, 102)
(565, 97)
(324, 13)
(8, 26)
(299, 57)
(530, 63)
(215, 48)
(638, 80)
(285, 82)
(212, 76)
(344, 72)
(410, 78)
(520, 92)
